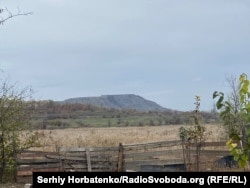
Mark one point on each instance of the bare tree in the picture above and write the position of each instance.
(233, 96)
(6, 14)
(233, 121)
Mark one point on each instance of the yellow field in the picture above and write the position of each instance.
(112, 136)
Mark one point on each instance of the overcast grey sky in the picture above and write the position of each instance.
(166, 51)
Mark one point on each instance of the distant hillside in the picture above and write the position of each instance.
(123, 101)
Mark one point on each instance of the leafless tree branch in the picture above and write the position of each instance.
(10, 15)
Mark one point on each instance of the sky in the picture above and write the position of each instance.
(166, 51)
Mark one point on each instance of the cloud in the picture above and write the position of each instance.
(168, 51)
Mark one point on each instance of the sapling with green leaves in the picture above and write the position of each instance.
(193, 135)
(236, 121)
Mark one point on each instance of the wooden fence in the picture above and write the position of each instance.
(157, 156)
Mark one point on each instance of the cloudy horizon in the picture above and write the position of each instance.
(164, 51)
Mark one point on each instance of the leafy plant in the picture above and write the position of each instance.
(236, 120)
(193, 135)
(16, 107)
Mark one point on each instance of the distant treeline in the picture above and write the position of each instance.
(54, 115)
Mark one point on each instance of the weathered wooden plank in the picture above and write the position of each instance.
(30, 172)
(34, 152)
(106, 158)
(67, 158)
(36, 161)
(83, 160)
(62, 149)
(206, 144)
(94, 166)
(168, 144)
(151, 145)
(152, 154)
(32, 166)
(155, 161)
(81, 156)
(214, 152)
(92, 153)
(169, 153)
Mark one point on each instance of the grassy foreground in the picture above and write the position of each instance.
(112, 136)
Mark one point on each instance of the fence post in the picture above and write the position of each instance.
(120, 158)
(88, 160)
(60, 160)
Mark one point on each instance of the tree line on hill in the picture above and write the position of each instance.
(51, 114)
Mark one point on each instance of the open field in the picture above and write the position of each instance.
(112, 136)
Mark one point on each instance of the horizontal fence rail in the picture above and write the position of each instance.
(157, 156)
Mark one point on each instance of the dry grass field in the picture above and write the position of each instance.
(112, 136)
